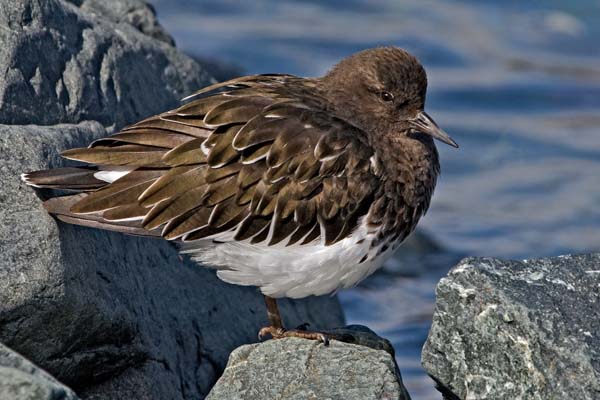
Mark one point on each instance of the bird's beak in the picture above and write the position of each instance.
(424, 123)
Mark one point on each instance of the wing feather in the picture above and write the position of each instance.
(248, 156)
(187, 153)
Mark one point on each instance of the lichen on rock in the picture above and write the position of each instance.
(294, 368)
(509, 329)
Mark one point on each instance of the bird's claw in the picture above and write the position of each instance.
(278, 333)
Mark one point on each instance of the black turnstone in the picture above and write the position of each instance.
(299, 186)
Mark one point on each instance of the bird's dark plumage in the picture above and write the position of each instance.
(274, 162)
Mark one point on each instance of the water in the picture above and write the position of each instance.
(516, 83)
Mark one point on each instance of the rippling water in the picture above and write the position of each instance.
(516, 83)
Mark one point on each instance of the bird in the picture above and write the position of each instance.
(297, 186)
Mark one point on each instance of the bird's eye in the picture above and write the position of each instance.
(386, 96)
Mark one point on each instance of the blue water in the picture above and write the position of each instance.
(516, 83)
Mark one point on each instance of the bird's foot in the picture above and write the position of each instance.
(278, 333)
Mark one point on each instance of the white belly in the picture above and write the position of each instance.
(294, 271)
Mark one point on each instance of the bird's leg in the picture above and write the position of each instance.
(277, 331)
(273, 312)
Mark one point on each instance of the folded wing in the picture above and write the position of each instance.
(256, 160)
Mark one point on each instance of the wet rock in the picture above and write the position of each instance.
(295, 368)
(110, 315)
(509, 329)
(22, 380)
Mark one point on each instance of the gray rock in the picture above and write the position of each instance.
(294, 368)
(112, 316)
(77, 66)
(137, 13)
(518, 330)
(22, 380)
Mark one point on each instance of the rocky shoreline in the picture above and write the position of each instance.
(91, 314)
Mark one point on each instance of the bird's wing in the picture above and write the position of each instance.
(256, 159)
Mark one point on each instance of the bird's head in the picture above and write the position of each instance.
(382, 89)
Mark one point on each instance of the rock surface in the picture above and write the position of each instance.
(295, 368)
(21, 380)
(112, 316)
(518, 330)
(137, 13)
(79, 66)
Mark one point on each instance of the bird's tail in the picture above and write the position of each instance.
(80, 180)
(129, 175)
